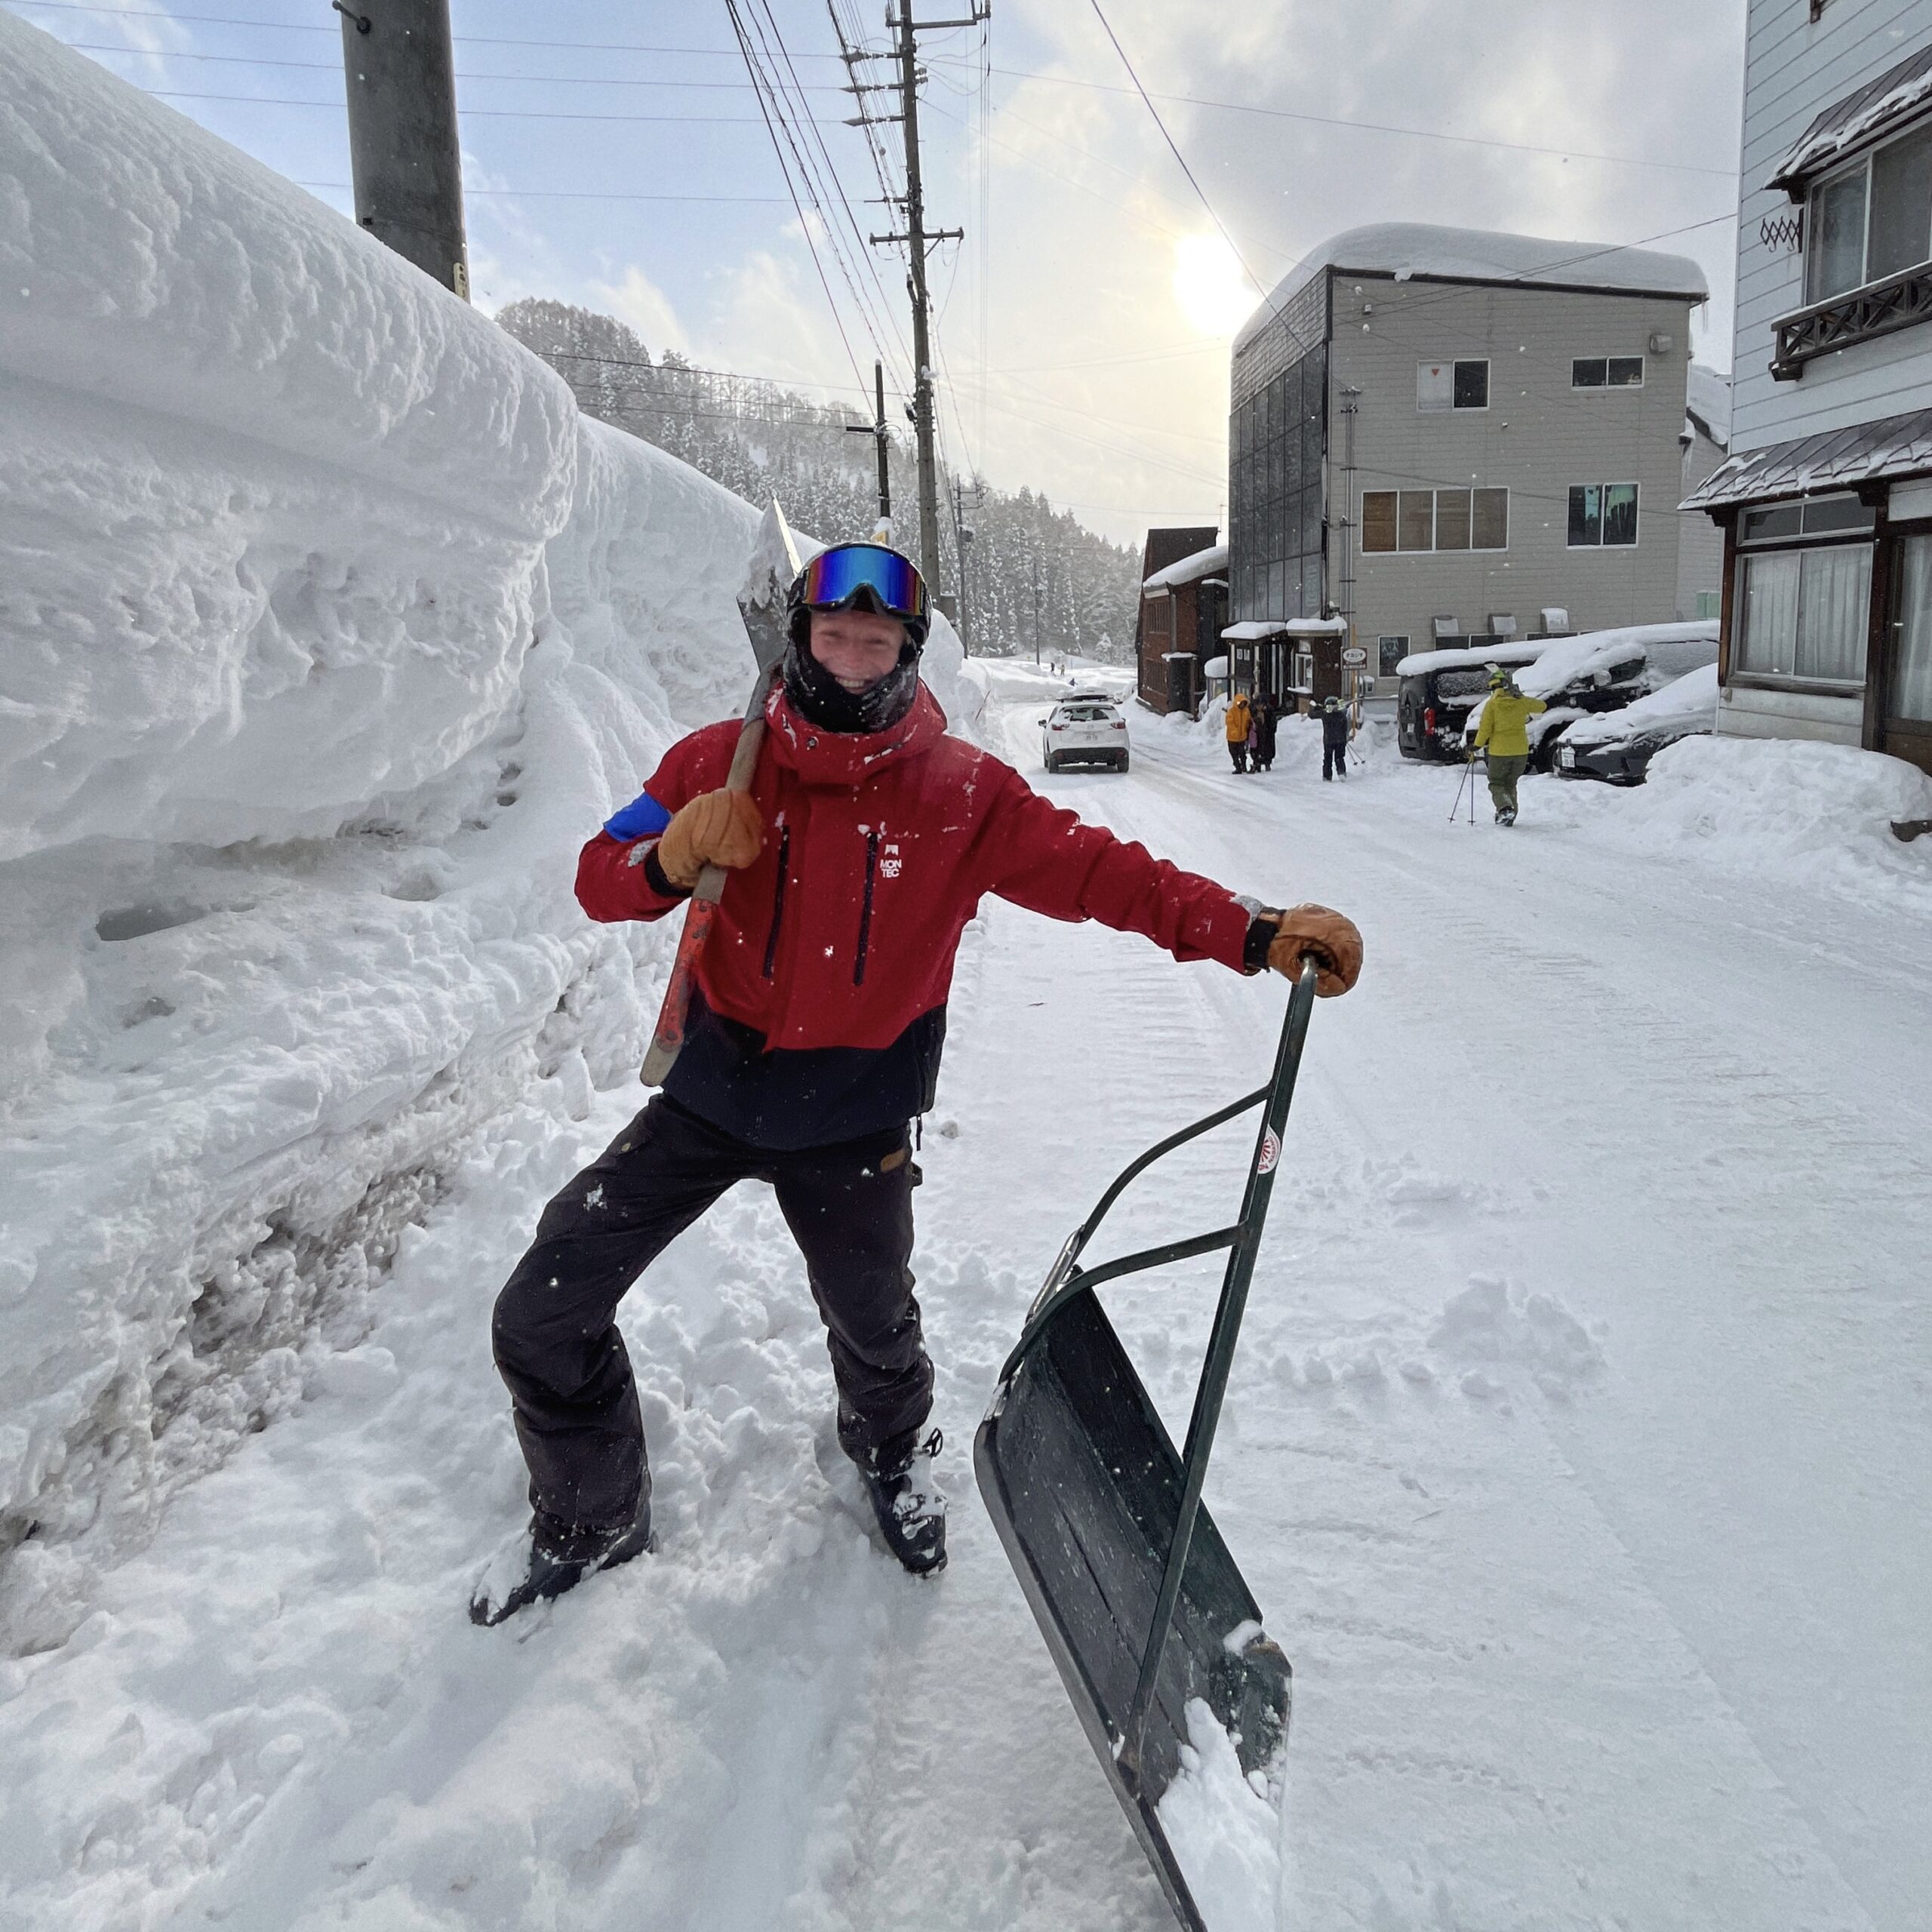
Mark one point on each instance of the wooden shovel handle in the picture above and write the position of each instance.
(668, 1040)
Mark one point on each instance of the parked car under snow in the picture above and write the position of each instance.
(1618, 746)
(1600, 671)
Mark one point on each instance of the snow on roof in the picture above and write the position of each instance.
(1214, 557)
(1670, 649)
(1831, 460)
(1707, 402)
(1406, 249)
(1248, 631)
(1419, 662)
(1866, 111)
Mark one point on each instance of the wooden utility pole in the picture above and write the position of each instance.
(403, 156)
(918, 239)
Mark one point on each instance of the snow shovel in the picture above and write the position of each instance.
(1139, 1601)
(761, 604)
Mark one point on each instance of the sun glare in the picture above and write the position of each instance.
(1210, 287)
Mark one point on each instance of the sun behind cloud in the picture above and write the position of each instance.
(1211, 288)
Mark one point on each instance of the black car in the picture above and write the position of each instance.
(1618, 748)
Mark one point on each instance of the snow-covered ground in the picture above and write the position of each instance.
(1577, 1450)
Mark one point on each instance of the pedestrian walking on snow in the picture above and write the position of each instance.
(1503, 734)
(1334, 740)
(1267, 719)
(865, 843)
(1240, 721)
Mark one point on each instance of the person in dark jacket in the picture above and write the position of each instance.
(1267, 717)
(863, 847)
(1334, 740)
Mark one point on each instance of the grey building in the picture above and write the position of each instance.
(1825, 499)
(1447, 435)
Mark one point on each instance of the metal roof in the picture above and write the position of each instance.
(1832, 460)
(1862, 115)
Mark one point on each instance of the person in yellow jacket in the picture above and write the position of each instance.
(1240, 721)
(1503, 734)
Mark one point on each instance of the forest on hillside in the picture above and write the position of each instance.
(1035, 576)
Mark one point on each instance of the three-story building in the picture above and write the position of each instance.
(1448, 436)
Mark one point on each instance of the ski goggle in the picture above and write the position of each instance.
(834, 577)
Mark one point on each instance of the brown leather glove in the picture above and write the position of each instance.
(1332, 939)
(715, 829)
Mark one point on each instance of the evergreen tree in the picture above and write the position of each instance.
(758, 438)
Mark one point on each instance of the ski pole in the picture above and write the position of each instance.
(1455, 810)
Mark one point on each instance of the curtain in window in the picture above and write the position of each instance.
(1838, 235)
(1620, 513)
(1418, 520)
(1911, 695)
(1452, 519)
(1378, 520)
(1767, 638)
(1490, 528)
(1901, 206)
(1834, 602)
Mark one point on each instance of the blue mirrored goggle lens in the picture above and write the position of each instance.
(833, 577)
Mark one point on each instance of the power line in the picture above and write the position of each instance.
(575, 195)
(479, 113)
(1363, 127)
(335, 67)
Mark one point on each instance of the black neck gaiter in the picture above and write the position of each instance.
(816, 694)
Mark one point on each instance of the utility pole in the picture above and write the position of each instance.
(918, 239)
(404, 159)
(1036, 609)
(962, 543)
(877, 430)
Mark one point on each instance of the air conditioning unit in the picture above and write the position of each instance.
(1447, 626)
(1662, 342)
(1554, 617)
(1502, 623)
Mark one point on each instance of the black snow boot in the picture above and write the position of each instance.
(527, 1568)
(910, 1509)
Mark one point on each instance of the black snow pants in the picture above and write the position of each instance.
(1335, 761)
(1237, 751)
(849, 1208)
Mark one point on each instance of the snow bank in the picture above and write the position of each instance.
(1823, 812)
(328, 629)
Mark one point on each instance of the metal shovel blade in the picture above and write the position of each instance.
(1084, 1487)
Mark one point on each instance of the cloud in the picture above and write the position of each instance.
(635, 299)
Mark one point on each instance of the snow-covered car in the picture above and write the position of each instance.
(1599, 671)
(1618, 746)
(1086, 728)
(1435, 691)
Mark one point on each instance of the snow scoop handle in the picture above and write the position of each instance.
(667, 1042)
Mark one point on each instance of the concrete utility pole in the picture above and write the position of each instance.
(404, 155)
(919, 239)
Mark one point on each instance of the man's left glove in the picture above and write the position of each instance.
(1332, 939)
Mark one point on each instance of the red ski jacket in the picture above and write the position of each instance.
(877, 849)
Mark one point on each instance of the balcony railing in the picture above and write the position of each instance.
(1883, 307)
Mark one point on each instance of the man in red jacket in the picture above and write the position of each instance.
(863, 847)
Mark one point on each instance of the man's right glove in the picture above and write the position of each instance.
(715, 829)
(1332, 939)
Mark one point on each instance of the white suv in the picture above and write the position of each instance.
(1084, 729)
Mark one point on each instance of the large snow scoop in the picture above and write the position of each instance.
(774, 563)
(1141, 1605)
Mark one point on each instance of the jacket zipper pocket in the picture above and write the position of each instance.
(865, 909)
(778, 899)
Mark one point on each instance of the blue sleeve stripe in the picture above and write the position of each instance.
(644, 817)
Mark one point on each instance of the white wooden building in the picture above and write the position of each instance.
(1825, 499)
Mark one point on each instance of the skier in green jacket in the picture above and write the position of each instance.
(1503, 734)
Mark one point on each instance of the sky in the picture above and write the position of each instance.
(616, 155)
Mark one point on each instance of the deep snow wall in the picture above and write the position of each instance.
(328, 630)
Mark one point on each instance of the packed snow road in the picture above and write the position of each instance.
(1578, 1451)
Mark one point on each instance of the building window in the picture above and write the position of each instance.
(1802, 614)
(1610, 372)
(1435, 520)
(1603, 516)
(1872, 219)
(1442, 386)
(1276, 505)
(1390, 651)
